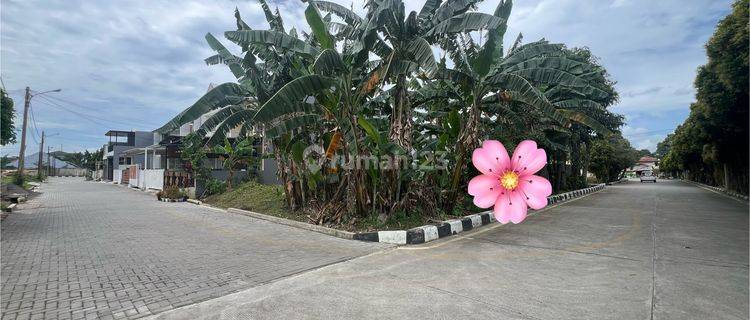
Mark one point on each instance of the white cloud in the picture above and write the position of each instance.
(139, 59)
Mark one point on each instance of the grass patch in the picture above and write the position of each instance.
(403, 221)
(269, 199)
(256, 197)
(11, 179)
(397, 221)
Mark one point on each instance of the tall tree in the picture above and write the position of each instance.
(711, 146)
(7, 114)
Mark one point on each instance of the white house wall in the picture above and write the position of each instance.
(153, 179)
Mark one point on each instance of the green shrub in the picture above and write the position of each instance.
(214, 186)
(171, 192)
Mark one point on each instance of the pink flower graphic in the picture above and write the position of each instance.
(509, 183)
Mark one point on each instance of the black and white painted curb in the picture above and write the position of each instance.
(429, 233)
(730, 193)
(171, 200)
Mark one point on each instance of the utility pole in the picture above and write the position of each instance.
(22, 151)
(40, 165)
(26, 105)
(48, 162)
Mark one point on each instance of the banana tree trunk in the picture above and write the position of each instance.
(401, 120)
(229, 178)
(467, 140)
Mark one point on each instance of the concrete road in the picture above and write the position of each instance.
(99, 251)
(668, 250)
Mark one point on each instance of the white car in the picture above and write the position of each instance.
(648, 176)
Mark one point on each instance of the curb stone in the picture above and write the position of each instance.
(416, 235)
(448, 228)
(618, 181)
(732, 194)
(297, 224)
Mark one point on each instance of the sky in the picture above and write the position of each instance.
(134, 64)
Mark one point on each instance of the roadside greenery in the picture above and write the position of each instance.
(171, 192)
(193, 152)
(23, 182)
(234, 154)
(253, 196)
(370, 87)
(611, 156)
(711, 146)
(85, 159)
(7, 114)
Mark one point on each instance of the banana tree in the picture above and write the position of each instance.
(363, 86)
(234, 154)
(486, 75)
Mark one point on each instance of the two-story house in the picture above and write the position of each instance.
(114, 156)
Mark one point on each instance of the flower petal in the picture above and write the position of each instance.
(500, 153)
(527, 159)
(536, 189)
(534, 162)
(485, 190)
(491, 158)
(510, 206)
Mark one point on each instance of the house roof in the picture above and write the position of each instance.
(141, 150)
(647, 159)
(117, 133)
(641, 167)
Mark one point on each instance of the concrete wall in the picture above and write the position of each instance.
(116, 175)
(153, 179)
(68, 172)
(267, 173)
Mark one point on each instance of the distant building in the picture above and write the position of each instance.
(151, 159)
(644, 164)
(119, 142)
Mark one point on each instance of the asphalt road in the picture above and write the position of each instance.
(668, 250)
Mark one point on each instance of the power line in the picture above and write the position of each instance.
(93, 119)
(35, 133)
(88, 107)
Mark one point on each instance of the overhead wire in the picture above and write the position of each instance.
(94, 119)
(88, 107)
(34, 133)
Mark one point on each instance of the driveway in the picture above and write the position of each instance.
(94, 250)
(668, 250)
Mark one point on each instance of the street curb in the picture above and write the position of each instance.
(448, 228)
(617, 182)
(296, 224)
(723, 191)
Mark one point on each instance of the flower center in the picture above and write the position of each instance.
(509, 180)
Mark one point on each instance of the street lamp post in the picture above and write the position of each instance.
(22, 150)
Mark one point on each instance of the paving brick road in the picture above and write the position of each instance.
(84, 250)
